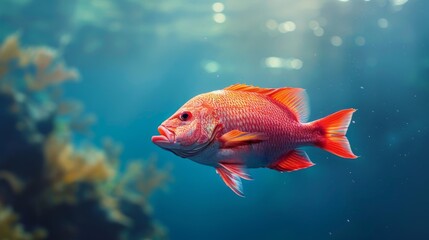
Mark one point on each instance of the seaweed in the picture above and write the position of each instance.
(11, 229)
(51, 187)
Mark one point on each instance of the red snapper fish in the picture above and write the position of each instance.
(244, 126)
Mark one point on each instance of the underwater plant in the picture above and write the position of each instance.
(11, 229)
(51, 187)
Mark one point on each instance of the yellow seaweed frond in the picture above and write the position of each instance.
(113, 211)
(69, 108)
(49, 70)
(83, 124)
(68, 165)
(10, 48)
(159, 232)
(71, 174)
(141, 179)
(44, 57)
(47, 75)
(59, 74)
(11, 229)
(113, 151)
(14, 182)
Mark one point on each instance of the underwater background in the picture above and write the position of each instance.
(84, 85)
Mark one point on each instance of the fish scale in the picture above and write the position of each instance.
(261, 117)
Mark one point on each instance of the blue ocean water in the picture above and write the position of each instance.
(139, 61)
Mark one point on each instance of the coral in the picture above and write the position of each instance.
(60, 189)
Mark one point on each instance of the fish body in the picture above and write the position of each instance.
(244, 126)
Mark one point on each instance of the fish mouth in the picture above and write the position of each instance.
(167, 141)
(165, 138)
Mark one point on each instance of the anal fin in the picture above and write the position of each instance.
(292, 161)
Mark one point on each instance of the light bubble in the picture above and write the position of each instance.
(313, 24)
(360, 41)
(274, 62)
(219, 17)
(218, 7)
(318, 32)
(271, 24)
(398, 2)
(65, 39)
(336, 41)
(383, 23)
(211, 66)
(288, 26)
(343, 0)
(296, 63)
(289, 63)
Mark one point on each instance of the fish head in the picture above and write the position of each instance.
(189, 130)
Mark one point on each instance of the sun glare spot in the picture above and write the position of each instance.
(318, 32)
(218, 7)
(219, 17)
(398, 2)
(271, 24)
(383, 23)
(288, 26)
(274, 62)
(336, 41)
(360, 41)
(211, 66)
(296, 63)
(289, 63)
(313, 25)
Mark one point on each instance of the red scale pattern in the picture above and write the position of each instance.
(254, 112)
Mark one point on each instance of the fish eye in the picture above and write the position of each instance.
(184, 116)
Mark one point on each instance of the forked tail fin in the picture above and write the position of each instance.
(334, 128)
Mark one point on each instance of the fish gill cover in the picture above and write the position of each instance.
(50, 187)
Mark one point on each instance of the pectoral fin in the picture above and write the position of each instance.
(236, 138)
(231, 174)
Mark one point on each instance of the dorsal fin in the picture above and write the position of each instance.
(249, 88)
(295, 99)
